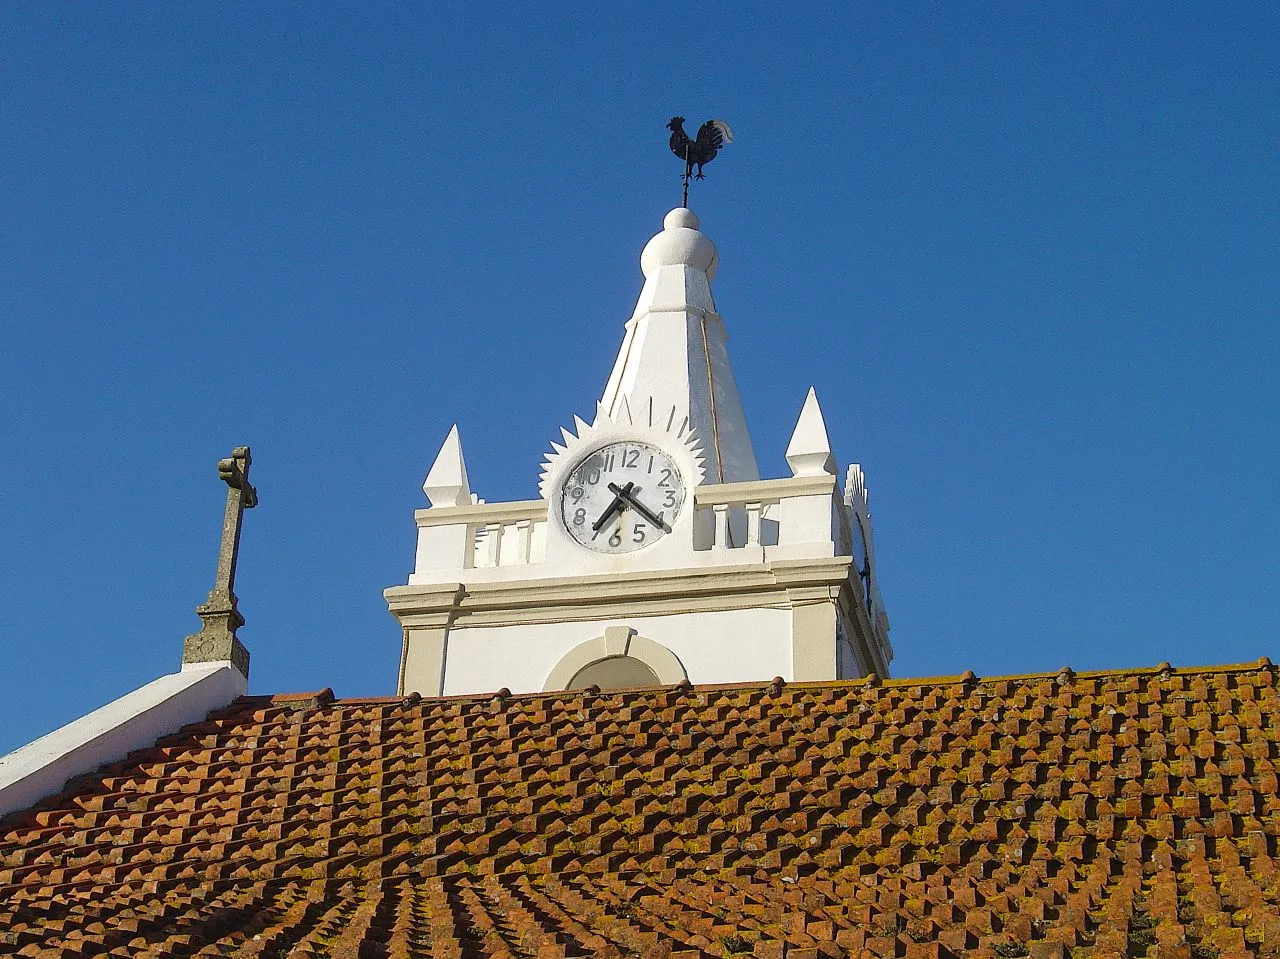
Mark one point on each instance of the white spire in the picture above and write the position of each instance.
(674, 353)
(809, 452)
(446, 482)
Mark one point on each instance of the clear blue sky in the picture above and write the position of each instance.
(1027, 254)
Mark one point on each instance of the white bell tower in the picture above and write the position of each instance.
(654, 553)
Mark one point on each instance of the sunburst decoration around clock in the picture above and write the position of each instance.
(665, 429)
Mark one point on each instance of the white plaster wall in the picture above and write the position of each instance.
(736, 453)
(666, 360)
(734, 646)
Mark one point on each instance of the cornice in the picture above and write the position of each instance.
(661, 592)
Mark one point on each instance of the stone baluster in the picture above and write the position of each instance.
(722, 525)
(524, 540)
(493, 544)
(753, 523)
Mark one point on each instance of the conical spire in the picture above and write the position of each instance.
(809, 452)
(446, 482)
(674, 351)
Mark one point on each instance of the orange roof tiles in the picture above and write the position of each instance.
(1129, 813)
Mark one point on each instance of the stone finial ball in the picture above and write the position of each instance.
(681, 216)
(680, 243)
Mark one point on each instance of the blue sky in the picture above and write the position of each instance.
(1027, 254)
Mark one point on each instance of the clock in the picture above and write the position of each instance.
(622, 497)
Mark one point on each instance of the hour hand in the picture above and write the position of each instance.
(620, 494)
(626, 493)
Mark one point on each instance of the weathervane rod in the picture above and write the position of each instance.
(688, 168)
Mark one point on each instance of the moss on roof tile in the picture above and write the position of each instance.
(1125, 812)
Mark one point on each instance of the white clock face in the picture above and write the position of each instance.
(623, 497)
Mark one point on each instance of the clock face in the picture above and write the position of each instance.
(623, 497)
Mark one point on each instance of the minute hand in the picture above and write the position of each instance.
(639, 507)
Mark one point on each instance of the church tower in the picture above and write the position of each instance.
(654, 553)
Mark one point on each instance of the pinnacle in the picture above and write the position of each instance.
(809, 452)
(446, 483)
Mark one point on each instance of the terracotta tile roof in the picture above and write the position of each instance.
(1114, 814)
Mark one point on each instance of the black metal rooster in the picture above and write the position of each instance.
(712, 135)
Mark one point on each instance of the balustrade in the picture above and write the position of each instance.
(507, 543)
(766, 513)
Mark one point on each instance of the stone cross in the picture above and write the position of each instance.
(217, 640)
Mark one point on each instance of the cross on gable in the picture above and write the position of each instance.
(217, 640)
(234, 470)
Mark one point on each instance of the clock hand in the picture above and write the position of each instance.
(647, 514)
(619, 495)
(630, 497)
(607, 515)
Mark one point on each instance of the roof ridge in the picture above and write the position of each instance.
(326, 697)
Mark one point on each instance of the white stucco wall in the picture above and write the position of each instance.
(730, 646)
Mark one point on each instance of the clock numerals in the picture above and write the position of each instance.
(619, 498)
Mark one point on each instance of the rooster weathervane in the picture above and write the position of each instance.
(712, 135)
